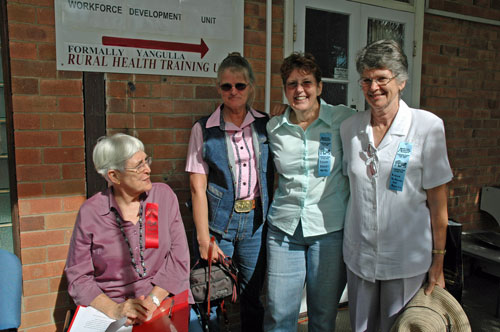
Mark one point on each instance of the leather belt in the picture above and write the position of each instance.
(243, 205)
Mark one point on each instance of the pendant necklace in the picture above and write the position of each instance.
(119, 221)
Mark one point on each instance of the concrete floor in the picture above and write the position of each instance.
(479, 303)
(478, 300)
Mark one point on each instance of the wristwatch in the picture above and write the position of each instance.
(156, 301)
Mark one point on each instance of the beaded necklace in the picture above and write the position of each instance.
(119, 221)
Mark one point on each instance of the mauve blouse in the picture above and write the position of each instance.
(99, 258)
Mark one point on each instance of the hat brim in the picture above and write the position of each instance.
(435, 312)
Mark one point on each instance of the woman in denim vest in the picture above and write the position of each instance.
(231, 179)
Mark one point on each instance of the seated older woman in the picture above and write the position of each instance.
(117, 263)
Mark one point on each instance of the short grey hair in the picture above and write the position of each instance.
(383, 54)
(112, 152)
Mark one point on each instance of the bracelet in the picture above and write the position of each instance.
(439, 251)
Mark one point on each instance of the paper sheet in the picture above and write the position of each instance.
(89, 319)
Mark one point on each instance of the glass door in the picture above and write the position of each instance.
(334, 31)
(326, 31)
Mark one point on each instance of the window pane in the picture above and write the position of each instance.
(382, 29)
(6, 238)
(334, 93)
(3, 138)
(327, 39)
(4, 173)
(5, 216)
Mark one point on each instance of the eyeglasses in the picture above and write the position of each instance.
(294, 84)
(141, 167)
(380, 81)
(371, 161)
(229, 86)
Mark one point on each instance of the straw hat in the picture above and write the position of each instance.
(437, 312)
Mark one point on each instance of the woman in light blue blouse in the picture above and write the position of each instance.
(306, 218)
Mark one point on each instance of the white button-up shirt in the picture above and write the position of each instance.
(388, 233)
(302, 195)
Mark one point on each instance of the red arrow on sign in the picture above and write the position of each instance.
(202, 48)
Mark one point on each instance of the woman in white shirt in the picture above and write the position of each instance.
(396, 160)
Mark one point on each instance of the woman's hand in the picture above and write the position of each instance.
(204, 246)
(148, 304)
(435, 274)
(133, 309)
(278, 109)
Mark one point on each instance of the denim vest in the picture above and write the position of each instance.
(218, 154)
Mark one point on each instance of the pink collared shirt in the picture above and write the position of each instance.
(243, 151)
(99, 259)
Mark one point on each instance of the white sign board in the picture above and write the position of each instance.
(162, 37)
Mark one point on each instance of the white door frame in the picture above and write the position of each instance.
(417, 8)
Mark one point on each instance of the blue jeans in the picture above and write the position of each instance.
(243, 242)
(195, 320)
(293, 261)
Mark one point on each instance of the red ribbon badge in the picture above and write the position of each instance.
(151, 228)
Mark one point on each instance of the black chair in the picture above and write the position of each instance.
(453, 262)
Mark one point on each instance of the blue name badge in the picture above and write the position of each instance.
(399, 166)
(324, 154)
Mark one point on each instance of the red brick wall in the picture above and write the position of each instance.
(49, 139)
(488, 9)
(48, 123)
(461, 84)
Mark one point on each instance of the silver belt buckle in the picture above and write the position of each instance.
(243, 205)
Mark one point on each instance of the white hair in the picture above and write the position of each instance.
(112, 152)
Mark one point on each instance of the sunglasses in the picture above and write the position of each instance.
(238, 86)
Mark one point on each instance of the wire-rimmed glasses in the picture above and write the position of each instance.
(141, 167)
(366, 82)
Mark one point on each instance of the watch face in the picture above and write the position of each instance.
(155, 300)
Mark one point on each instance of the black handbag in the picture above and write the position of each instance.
(212, 282)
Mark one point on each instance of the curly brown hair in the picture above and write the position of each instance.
(302, 61)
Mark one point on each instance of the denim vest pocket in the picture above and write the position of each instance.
(214, 197)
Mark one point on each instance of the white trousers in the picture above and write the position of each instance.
(376, 305)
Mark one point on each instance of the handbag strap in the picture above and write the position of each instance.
(210, 254)
(229, 267)
(227, 262)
